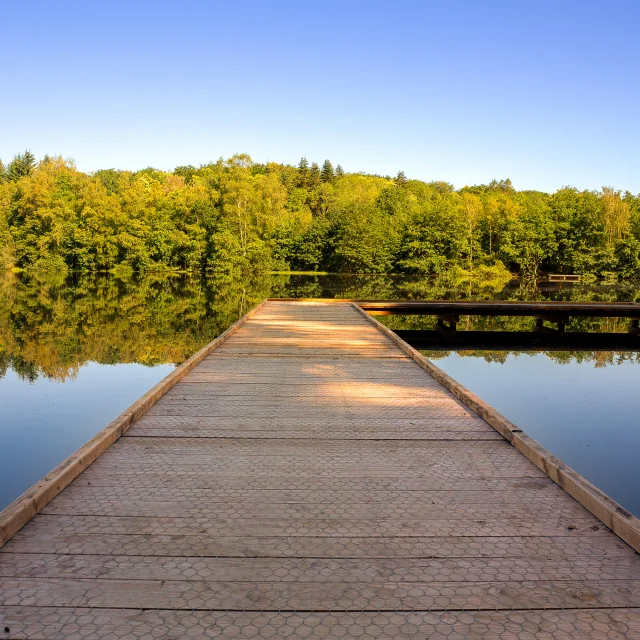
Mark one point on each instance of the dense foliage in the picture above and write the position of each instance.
(236, 216)
(52, 324)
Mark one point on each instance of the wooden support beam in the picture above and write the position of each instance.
(502, 308)
(451, 320)
(560, 321)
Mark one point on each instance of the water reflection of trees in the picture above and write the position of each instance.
(50, 325)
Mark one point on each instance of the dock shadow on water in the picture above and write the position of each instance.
(75, 351)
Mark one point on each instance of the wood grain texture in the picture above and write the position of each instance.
(310, 478)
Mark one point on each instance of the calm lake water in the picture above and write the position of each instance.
(76, 351)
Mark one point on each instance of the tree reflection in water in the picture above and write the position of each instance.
(50, 325)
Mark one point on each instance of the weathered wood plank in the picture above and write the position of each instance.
(105, 543)
(283, 595)
(126, 477)
(326, 433)
(47, 623)
(401, 511)
(317, 412)
(352, 391)
(344, 424)
(506, 525)
(511, 492)
(305, 570)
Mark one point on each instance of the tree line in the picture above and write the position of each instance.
(235, 215)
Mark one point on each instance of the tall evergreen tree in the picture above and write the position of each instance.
(339, 171)
(401, 179)
(303, 172)
(501, 185)
(21, 165)
(314, 175)
(327, 173)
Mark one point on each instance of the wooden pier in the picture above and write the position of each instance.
(309, 475)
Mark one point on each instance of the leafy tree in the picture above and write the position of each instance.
(339, 171)
(530, 238)
(433, 238)
(309, 249)
(186, 171)
(616, 215)
(580, 233)
(111, 179)
(472, 209)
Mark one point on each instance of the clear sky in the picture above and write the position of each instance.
(546, 93)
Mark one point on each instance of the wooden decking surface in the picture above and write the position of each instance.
(309, 480)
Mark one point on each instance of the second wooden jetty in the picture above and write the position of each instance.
(312, 477)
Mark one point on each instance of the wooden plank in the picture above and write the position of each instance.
(317, 412)
(345, 424)
(340, 433)
(292, 596)
(271, 390)
(33, 539)
(331, 570)
(47, 623)
(511, 523)
(125, 476)
(363, 510)
(510, 492)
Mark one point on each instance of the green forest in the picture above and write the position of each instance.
(238, 216)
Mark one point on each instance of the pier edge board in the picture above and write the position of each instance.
(624, 524)
(25, 507)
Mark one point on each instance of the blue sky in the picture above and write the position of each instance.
(546, 93)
